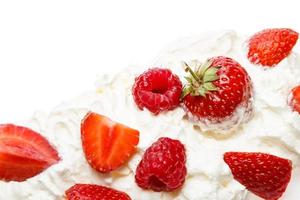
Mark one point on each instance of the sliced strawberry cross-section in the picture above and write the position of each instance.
(107, 144)
(24, 153)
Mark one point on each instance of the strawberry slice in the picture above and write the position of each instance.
(265, 175)
(107, 144)
(24, 153)
(295, 99)
(94, 192)
(270, 46)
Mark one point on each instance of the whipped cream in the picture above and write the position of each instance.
(273, 128)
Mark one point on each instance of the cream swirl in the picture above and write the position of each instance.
(274, 128)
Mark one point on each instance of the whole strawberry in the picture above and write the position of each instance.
(162, 167)
(270, 46)
(265, 175)
(94, 192)
(216, 90)
(295, 99)
(157, 89)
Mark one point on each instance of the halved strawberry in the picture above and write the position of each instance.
(295, 99)
(107, 144)
(270, 46)
(24, 153)
(265, 175)
(94, 192)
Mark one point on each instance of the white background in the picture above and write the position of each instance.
(52, 50)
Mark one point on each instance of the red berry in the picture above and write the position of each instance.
(107, 145)
(216, 89)
(265, 175)
(295, 99)
(94, 192)
(162, 167)
(24, 153)
(270, 46)
(157, 90)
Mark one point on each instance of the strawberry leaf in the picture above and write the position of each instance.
(209, 86)
(200, 80)
(189, 79)
(210, 75)
(202, 91)
(186, 90)
(204, 67)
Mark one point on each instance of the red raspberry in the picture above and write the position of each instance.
(157, 90)
(163, 166)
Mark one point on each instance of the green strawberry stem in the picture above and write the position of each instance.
(200, 81)
(188, 69)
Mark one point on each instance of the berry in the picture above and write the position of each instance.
(295, 99)
(24, 153)
(265, 175)
(94, 192)
(216, 89)
(162, 167)
(270, 46)
(157, 90)
(107, 144)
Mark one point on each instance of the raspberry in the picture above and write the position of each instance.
(157, 90)
(162, 167)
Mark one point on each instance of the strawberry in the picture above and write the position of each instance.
(270, 46)
(295, 99)
(216, 89)
(94, 192)
(265, 175)
(24, 153)
(107, 144)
